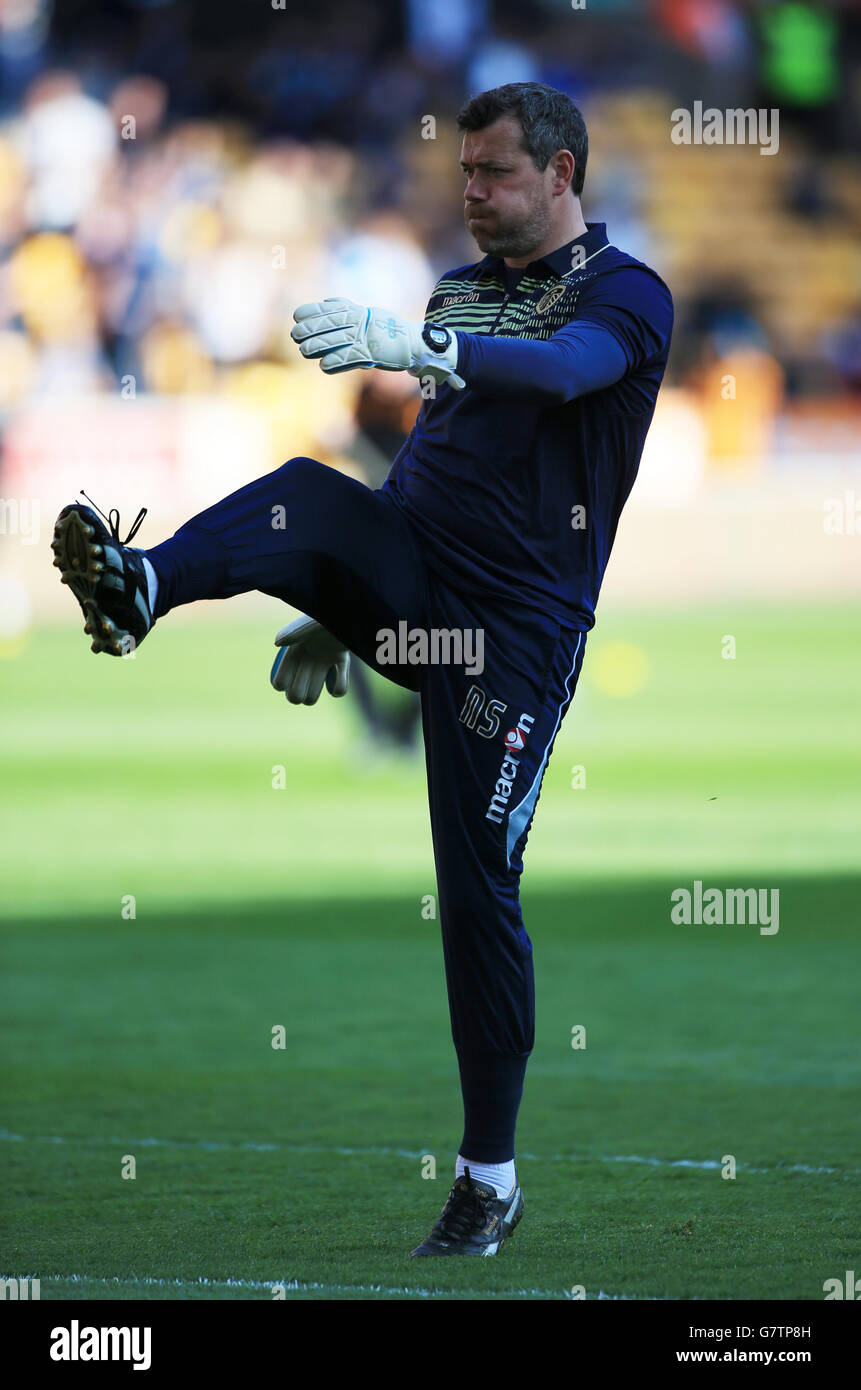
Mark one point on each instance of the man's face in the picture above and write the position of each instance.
(508, 202)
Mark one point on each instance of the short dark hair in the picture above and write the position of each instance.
(548, 118)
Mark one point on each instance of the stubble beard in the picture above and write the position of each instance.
(518, 239)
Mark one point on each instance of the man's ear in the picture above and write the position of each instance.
(564, 167)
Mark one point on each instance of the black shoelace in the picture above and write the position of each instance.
(113, 520)
(465, 1209)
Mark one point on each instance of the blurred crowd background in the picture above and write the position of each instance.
(175, 177)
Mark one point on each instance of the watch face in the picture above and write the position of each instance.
(437, 338)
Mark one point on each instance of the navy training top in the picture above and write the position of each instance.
(516, 483)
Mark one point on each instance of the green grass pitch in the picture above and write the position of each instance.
(257, 907)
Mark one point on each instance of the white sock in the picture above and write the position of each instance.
(151, 582)
(500, 1176)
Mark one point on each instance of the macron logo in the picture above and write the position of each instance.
(514, 742)
(516, 738)
(78, 1343)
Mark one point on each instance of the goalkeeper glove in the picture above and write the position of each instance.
(311, 656)
(345, 335)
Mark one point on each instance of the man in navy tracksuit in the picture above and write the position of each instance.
(540, 365)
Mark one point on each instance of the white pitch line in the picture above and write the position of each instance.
(707, 1164)
(295, 1286)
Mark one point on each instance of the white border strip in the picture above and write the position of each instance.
(296, 1286)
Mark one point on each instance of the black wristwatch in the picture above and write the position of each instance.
(435, 337)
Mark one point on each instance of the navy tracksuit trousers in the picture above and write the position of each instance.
(347, 556)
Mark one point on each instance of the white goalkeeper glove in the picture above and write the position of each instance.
(345, 336)
(311, 657)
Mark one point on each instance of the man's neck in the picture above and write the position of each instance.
(569, 227)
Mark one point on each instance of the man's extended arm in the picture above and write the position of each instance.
(623, 325)
(581, 357)
(625, 321)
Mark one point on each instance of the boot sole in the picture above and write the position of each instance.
(81, 560)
